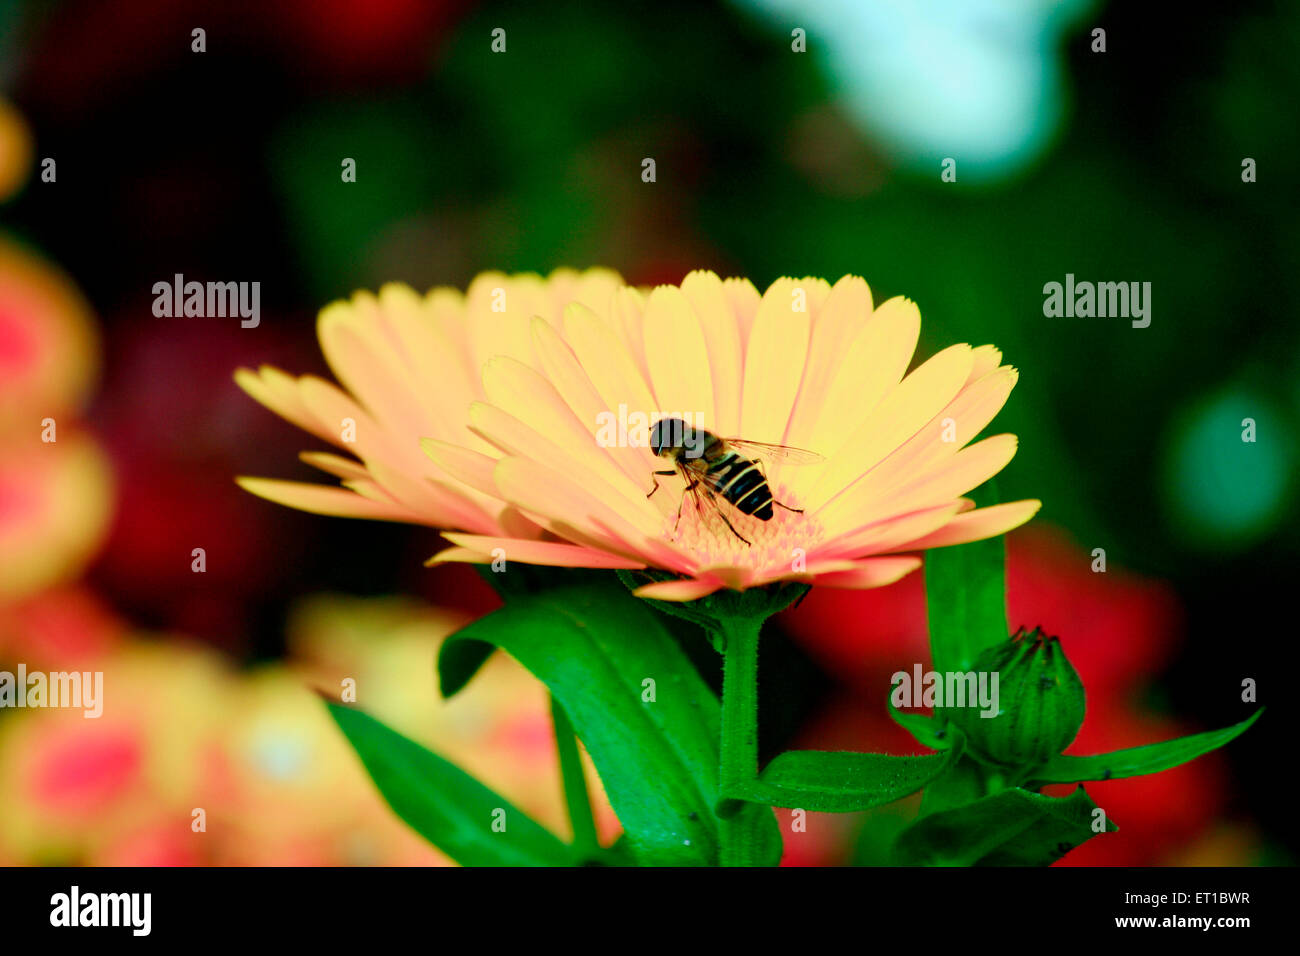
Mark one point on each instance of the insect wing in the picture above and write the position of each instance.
(776, 453)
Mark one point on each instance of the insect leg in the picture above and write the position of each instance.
(690, 488)
(733, 530)
(656, 480)
(718, 509)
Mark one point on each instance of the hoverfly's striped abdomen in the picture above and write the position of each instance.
(741, 482)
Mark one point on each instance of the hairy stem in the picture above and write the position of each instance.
(738, 638)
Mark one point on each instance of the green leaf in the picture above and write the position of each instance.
(966, 596)
(457, 667)
(930, 732)
(840, 781)
(1136, 761)
(595, 647)
(965, 782)
(521, 580)
(1010, 828)
(445, 805)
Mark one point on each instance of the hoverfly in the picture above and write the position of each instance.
(720, 468)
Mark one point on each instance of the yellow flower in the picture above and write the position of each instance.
(410, 369)
(552, 443)
(805, 365)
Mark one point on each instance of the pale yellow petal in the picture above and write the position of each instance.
(566, 374)
(335, 465)
(929, 450)
(687, 589)
(896, 418)
(471, 468)
(498, 310)
(441, 379)
(616, 376)
(565, 500)
(364, 361)
(774, 361)
(554, 553)
(836, 326)
(279, 392)
(345, 423)
(987, 358)
(872, 534)
(871, 573)
(744, 299)
(708, 297)
(873, 365)
(969, 468)
(325, 500)
(979, 524)
(536, 422)
(678, 359)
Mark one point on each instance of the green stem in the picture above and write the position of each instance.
(576, 797)
(738, 638)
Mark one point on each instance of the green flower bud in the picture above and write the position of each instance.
(1040, 703)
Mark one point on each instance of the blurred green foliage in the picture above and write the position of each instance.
(530, 159)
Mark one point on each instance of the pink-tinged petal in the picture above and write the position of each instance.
(470, 468)
(969, 468)
(444, 385)
(440, 504)
(987, 358)
(444, 309)
(835, 327)
(774, 360)
(332, 408)
(977, 525)
(626, 320)
(335, 465)
(899, 415)
(815, 567)
(689, 589)
(731, 576)
(708, 297)
(516, 524)
(498, 311)
(554, 442)
(572, 384)
(657, 552)
(365, 362)
(324, 500)
(871, 573)
(596, 536)
(617, 376)
(928, 451)
(458, 556)
(873, 366)
(279, 392)
(595, 289)
(465, 508)
(744, 299)
(555, 554)
(888, 533)
(677, 356)
(562, 499)
(952, 429)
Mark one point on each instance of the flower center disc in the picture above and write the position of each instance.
(784, 538)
